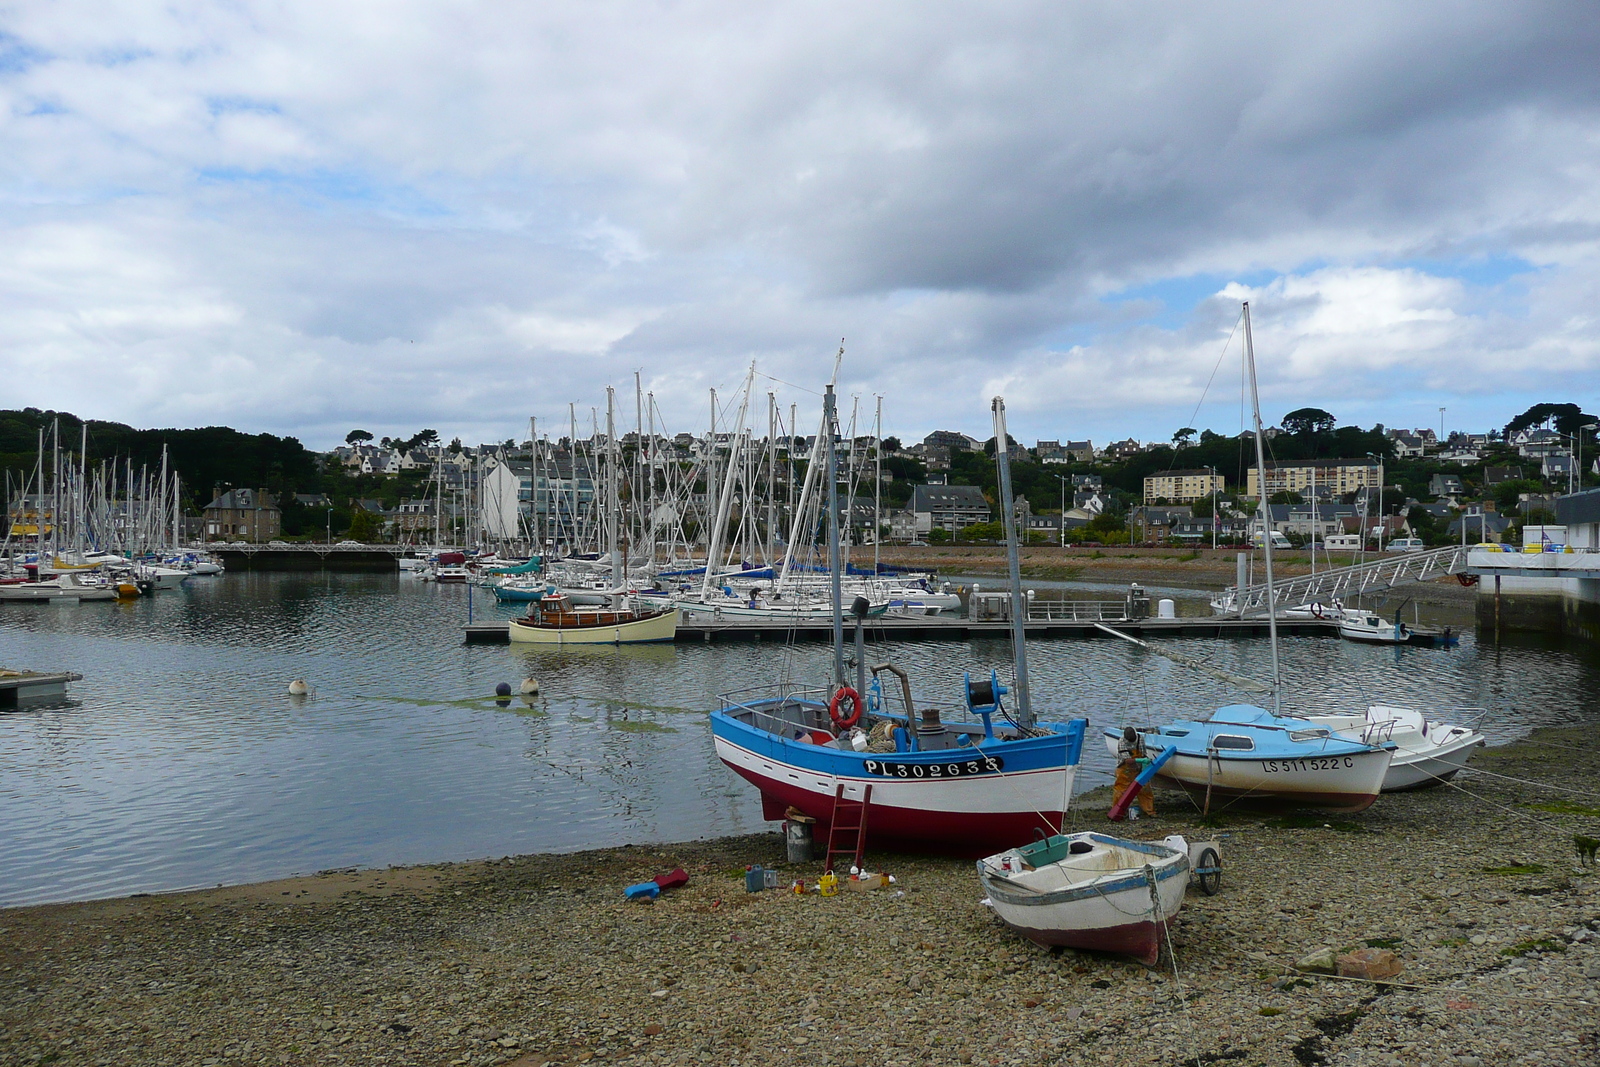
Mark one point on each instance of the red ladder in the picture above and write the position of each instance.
(840, 840)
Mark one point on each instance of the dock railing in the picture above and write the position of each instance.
(1077, 611)
(1344, 582)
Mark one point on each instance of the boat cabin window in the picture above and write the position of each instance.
(1307, 735)
(1232, 741)
(1176, 733)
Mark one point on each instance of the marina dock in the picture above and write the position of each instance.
(16, 686)
(949, 628)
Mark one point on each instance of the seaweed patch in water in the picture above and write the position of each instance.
(642, 726)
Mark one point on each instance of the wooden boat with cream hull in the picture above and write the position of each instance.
(554, 620)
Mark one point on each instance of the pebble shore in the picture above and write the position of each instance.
(539, 960)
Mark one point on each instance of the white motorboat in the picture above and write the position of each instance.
(1359, 624)
(1426, 752)
(1090, 891)
(162, 577)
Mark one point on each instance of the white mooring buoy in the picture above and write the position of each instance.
(530, 687)
(299, 688)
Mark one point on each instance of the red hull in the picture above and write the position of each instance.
(1142, 940)
(969, 835)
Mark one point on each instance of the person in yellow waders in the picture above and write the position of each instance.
(1131, 760)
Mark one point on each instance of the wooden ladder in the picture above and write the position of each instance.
(846, 838)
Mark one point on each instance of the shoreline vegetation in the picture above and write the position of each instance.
(538, 960)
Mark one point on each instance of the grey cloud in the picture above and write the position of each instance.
(474, 214)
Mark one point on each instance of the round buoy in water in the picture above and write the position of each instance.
(530, 686)
(298, 688)
(502, 690)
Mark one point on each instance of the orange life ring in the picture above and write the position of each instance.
(845, 692)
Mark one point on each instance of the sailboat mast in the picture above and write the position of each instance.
(1019, 608)
(772, 470)
(717, 536)
(877, 487)
(1266, 514)
(835, 595)
(611, 488)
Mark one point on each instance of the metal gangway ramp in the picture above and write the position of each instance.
(1343, 582)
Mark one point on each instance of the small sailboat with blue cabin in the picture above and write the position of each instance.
(913, 777)
(1244, 754)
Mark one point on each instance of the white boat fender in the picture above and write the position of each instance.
(530, 687)
(299, 688)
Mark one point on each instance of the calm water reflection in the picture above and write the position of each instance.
(180, 760)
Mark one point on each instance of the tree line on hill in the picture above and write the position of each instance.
(218, 457)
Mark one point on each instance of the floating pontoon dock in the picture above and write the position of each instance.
(17, 686)
(945, 628)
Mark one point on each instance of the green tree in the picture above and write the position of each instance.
(364, 526)
(357, 437)
(1425, 524)
(1183, 436)
(1567, 418)
(1506, 493)
(1307, 421)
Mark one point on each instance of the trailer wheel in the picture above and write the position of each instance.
(1209, 872)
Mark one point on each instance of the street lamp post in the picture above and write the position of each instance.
(1214, 517)
(330, 526)
(1062, 478)
(1381, 523)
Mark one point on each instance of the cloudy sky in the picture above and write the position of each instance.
(303, 217)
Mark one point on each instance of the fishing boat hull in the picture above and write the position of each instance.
(1113, 896)
(958, 801)
(643, 630)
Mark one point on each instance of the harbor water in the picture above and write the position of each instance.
(181, 760)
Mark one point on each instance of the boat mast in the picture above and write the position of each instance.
(611, 488)
(1266, 514)
(1019, 608)
(719, 526)
(835, 595)
(772, 470)
(877, 487)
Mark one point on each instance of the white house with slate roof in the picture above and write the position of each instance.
(948, 507)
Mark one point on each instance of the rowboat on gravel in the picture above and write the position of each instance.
(1090, 891)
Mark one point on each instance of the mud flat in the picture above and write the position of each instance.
(538, 959)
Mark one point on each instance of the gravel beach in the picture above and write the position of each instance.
(539, 960)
